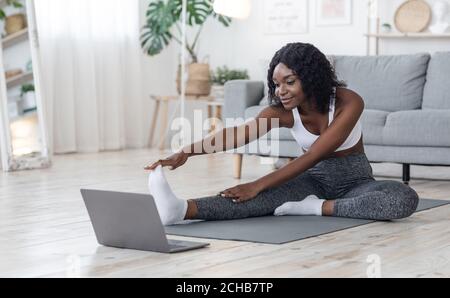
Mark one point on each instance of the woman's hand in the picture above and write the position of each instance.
(175, 161)
(243, 192)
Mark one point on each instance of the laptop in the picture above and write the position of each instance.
(130, 221)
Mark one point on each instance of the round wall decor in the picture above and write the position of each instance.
(413, 16)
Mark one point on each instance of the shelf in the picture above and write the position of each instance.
(20, 79)
(12, 39)
(25, 116)
(409, 35)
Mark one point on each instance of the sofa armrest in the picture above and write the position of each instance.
(240, 95)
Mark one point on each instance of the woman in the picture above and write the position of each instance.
(332, 178)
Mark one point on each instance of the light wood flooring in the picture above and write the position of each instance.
(45, 230)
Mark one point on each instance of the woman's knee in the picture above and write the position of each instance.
(407, 200)
(412, 200)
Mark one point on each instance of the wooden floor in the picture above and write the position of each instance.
(45, 230)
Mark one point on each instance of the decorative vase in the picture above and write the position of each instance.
(440, 12)
(14, 23)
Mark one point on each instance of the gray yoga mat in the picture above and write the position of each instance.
(277, 230)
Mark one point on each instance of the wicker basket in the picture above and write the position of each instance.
(13, 73)
(199, 83)
(15, 23)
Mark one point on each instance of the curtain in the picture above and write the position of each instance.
(90, 56)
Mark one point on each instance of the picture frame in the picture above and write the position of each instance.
(286, 17)
(334, 12)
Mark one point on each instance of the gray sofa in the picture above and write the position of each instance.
(407, 116)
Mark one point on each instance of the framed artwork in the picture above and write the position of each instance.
(333, 12)
(285, 16)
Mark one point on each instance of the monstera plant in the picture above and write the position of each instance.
(163, 24)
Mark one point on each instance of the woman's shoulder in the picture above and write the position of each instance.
(274, 111)
(345, 93)
(347, 97)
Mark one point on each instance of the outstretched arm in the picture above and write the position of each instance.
(227, 139)
(239, 136)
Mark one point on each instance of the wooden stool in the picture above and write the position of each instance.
(214, 112)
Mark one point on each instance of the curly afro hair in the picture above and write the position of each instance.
(314, 70)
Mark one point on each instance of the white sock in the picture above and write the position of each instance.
(171, 209)
(312, 205)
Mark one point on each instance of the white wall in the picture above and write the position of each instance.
(245, 44)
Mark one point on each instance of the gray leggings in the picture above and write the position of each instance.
(348, 180)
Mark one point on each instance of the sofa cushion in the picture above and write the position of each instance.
(264, 101)
(387, 83)
(427, 128)
(283, 133)
(373, 123)
(409, 155)
(437, 87)
(252, 112)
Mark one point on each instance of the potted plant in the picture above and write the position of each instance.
(222, 75)
(163, 25)
(14, 22)
(386, 28)
(27, 93)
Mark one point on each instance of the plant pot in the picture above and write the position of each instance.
(15, 23)
(218, 91)
(198, 83)
(28, 102)
(386, 29)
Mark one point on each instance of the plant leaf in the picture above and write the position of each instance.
(162, 15)
(226, 21)
(155, 35)
(14, 3)
(198, 11)
(154, 42)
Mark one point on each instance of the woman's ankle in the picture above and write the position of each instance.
(328, 208)
(192, 210)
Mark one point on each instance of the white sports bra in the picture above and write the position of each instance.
(306, 139)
